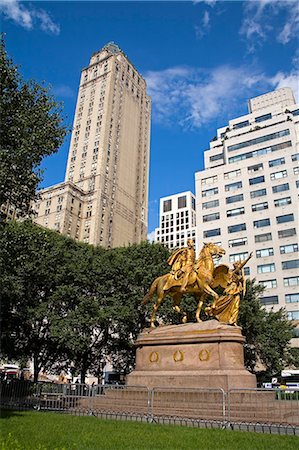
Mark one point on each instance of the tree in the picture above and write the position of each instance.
(83, 317)
(34, 264)
(31, 128)
(267, 334)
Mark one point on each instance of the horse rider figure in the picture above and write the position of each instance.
(182, 264)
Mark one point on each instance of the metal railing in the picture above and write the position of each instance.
(263, 407)
(263, 410)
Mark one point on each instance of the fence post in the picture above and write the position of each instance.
(228, 409)
(223, 407)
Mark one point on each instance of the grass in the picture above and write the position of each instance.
(24, 430)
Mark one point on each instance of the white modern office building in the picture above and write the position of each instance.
(104, 197)
(177, 220)
(247, 196)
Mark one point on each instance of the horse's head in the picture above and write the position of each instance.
(214, 249)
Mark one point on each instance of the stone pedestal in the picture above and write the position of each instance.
(193, 355)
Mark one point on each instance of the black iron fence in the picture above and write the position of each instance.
(263, 410)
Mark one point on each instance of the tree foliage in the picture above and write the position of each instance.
(31, 128)
(267, 333)
(34, 264)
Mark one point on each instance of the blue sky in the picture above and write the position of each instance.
(202, 61)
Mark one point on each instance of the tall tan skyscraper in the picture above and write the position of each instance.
(105, 194)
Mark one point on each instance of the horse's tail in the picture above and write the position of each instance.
(151, 292)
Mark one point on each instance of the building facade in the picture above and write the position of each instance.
(104, 198)
(177, 220)
(247, 196)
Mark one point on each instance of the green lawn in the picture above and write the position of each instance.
(24, 430)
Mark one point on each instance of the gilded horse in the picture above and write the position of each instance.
(199, 284)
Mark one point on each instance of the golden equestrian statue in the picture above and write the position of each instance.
(186, 276)
(200, 278)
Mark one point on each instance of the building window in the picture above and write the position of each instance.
(258, 193)
(263, 237)
(233, 186)
(291, 264)
(291, 281)
(259, 140)
(261, 151)
(232, 174)
(276, 162)
(245, 123)
(211, 233)
(296, 170)
(257, 180)
(211, 204)
(285, 218)
(255, 168)
(47, 212)
(237, 242)
(210, 217)
(261, 223)
(216, 157)
(292, 298)
(209, 180)
(263, 117)
(167, 205)
(264, 252)
(269, 284)
(278, 175)
(293, 315)
(282, 201)
(290, 248)
(182, 202)
(266, 268)
(236, 228)
(210, 192)
(295, 157)
(235, 212)
(238, 257)
(193, 203)
(59, 208)
(271, 300)
(234, 198)
(286, 233)
(259, 206)
(246, 271)
(280, 188)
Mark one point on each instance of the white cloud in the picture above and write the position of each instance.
(291, 80)
(63, 91)
(28, 17)
(211, 3)
(192, 97)
(258, 21)
(151, 236)
(202, 29)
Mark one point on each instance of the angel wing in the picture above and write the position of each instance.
(220, 276)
